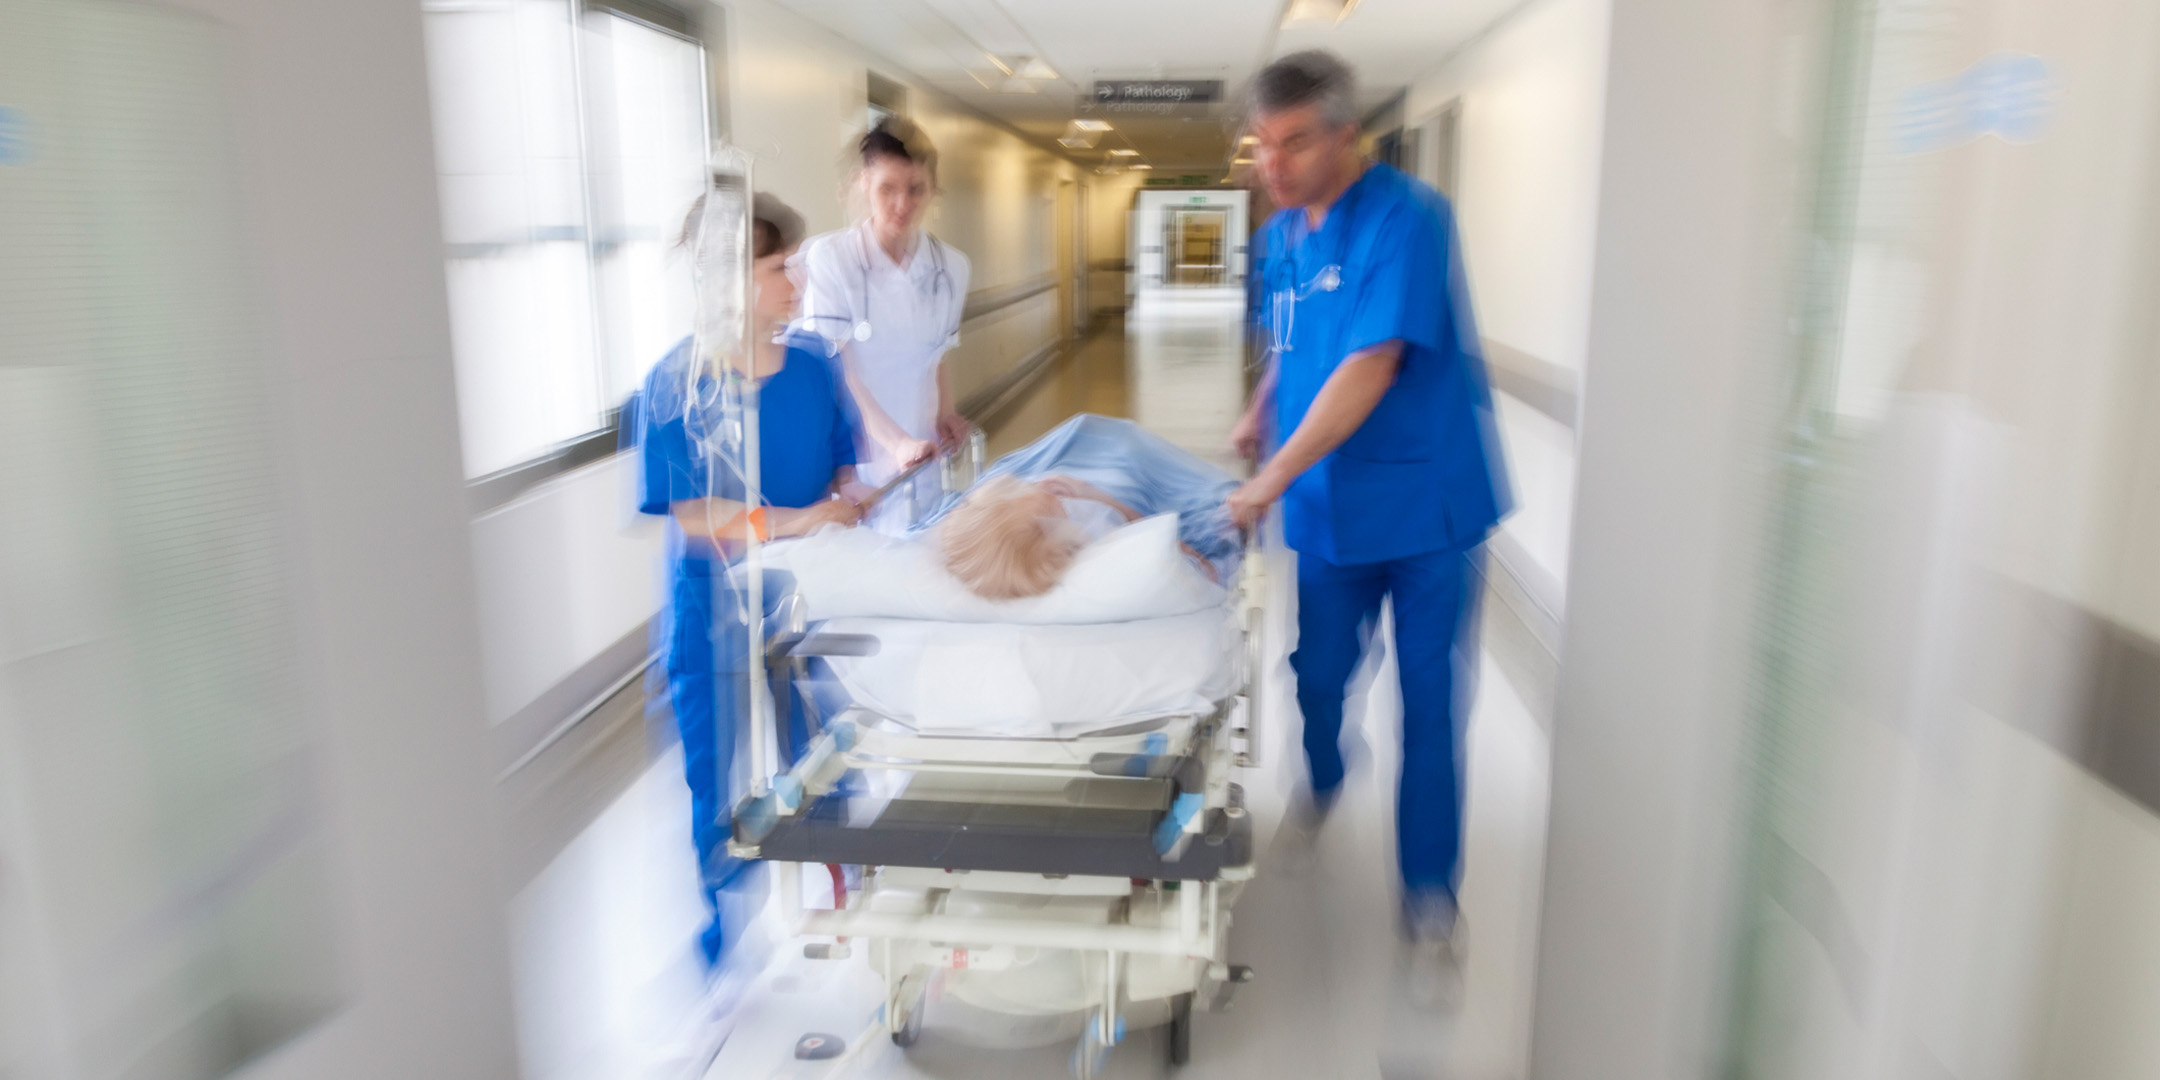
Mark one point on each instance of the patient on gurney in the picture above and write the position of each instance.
(1009, 538)
(1016, 532)
(1096, 522)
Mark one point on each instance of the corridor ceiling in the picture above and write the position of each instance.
(963, 47)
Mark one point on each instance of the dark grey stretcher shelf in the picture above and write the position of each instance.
(1021, 838)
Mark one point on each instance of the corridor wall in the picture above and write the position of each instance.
(1531, 94)
(244, 804)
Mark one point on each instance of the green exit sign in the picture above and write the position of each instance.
(1187, 180)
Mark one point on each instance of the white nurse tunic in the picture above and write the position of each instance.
(897, 319)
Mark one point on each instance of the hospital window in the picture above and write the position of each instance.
(570, 139)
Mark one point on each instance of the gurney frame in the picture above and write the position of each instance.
(1132, 844)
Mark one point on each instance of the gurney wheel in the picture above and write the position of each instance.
(1181, 1029)
(910, 1029)
(1092, 1055)
(908, 1011)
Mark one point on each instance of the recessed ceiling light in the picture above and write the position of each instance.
(1313, 11)
(1003, 84)
(1123, 152)
(1077, 142)
(1248, 140)
(1142, 165)
(1241, 161)
(1092, 125)
(1023, 67)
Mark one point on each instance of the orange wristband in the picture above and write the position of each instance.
(755, 519)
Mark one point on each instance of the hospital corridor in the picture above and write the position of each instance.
(967, 539)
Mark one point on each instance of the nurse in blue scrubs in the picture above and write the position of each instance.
(807, 480)
(1388, 471)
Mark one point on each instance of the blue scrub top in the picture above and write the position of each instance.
(805, 435)
(1423, 473)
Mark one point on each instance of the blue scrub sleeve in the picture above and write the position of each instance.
(665, 471)
(1406, 292)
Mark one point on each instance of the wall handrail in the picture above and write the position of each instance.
(1540, 384)
(981, 302)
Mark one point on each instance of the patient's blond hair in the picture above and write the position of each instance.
(1002, 544)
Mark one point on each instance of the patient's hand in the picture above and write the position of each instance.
(1205, 566)
(1065, 487)
(855, 491)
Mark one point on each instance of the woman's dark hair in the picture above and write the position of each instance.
(774, 225)
(897, 137)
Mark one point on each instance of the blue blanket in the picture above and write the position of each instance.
(1135, 467)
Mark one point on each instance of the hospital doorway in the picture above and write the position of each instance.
(1195, 240)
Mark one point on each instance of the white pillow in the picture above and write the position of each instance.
(1135, 572)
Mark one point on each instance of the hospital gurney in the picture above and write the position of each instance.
(1089, 872)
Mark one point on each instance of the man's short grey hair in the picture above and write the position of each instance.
(1313, 77)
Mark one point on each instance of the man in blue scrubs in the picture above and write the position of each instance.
(1388, 468)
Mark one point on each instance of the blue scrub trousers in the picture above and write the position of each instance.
(1435, 602)
(709, 705)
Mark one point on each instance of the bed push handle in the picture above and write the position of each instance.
(819, 643)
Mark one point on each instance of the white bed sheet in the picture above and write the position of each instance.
(1050, 681)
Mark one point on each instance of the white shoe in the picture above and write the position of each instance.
(1297, 841)
(1432, 963)
(708, 1022)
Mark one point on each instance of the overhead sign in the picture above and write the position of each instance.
(1161, 91)
(1154, 95)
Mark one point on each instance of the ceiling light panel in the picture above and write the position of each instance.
(1305, 12)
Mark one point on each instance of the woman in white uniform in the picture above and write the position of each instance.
(888, 296)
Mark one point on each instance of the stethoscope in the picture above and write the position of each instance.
(1283, 302)
(1282, 309)
(941, 283)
